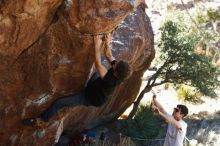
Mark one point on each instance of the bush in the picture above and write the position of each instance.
(145, 125)
(189, 94)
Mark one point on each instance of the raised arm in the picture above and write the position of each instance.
(98, 63)
(168, 119)
(160, 111)
(158, 105)
(108, 51)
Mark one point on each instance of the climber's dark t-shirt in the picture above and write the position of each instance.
(99, 90)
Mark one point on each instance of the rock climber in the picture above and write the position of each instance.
(99, 87)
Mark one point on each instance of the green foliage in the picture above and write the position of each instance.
(213, 15)
(144, 125)
(189, 94)
(205, 28)
(181, 63)
(207, 16)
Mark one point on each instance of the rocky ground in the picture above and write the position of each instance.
(204, 129)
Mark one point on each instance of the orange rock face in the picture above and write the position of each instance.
(46, 53)
(98, 16)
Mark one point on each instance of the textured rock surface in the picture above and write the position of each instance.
(97, 16)
(44, 55)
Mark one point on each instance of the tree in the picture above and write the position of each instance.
(181, 63)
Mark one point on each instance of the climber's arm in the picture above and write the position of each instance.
(98, 63)
(108, 51)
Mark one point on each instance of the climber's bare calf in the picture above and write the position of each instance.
(99, 87)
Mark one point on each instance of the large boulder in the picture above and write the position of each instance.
(46, 54)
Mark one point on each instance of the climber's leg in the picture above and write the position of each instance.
(68, 101)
